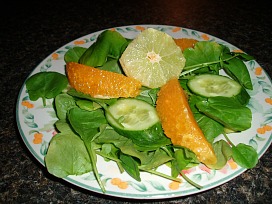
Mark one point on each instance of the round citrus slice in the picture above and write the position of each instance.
(100, 83)
(153, 58)
(179, 123)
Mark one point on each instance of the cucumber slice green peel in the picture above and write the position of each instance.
(138, 121)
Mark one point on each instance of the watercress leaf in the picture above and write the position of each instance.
(64, 102)
(237, 69)
(157, 159)
(148, 95)
(86, 123)
(110, 136)
(73, 54)
(45, 85)
(63, 127)
(245, 155)
(203, 52)
(243, 56)
(67, 155)
(85, 105)
(130, 166)
(179, 163)
(210, 128)
(243, 97)
(109, 44)
(227, 111)
(223, 153)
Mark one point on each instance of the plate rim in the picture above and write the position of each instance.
(172, 194)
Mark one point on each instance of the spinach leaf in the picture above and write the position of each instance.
(130, 166)
(227, 111)
(109, 44)
(86, 123)
(245, 155)
(210, 128)
(63, 126)
(45, 85)
(63, 103)
(112, 65)
(73, 54)
(236, 69)
(67, 155)
(86, 105)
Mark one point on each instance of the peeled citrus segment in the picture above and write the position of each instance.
(100, 83)
(179, 123)
(152, 58)
(185, 43)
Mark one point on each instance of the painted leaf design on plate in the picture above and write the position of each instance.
(211, 174)
(267, 89)
(253, 143)
(93, 37)
(259, 138)
(255, 106)
(43, 148)
(46, 66)
(157, 185)
(197, 178)
(138, 186)
(131, 29)
(184, 31)
(267, 116)
(194, 33)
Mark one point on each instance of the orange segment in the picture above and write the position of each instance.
(184, 43)
(179, 123)
(100, 83)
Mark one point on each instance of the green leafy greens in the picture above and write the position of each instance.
(84, 132)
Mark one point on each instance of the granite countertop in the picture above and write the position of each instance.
(32, 31)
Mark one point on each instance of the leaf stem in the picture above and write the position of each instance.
(227, 138)
(44, 101)
(93, 161)
(160, 174)
(192, 68)
(190, 181)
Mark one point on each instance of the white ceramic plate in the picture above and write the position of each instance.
(33, 118)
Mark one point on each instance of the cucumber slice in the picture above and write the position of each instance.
(138, 121)
(210, 85)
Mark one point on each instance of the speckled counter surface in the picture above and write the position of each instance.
(32, 31)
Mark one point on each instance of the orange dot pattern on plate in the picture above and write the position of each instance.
(100, 83)
(37, 138)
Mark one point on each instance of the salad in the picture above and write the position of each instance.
(87, 125)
